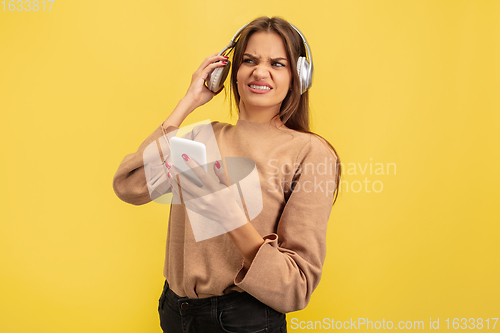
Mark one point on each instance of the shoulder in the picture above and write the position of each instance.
(312, 146)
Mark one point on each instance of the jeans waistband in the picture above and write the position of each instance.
(204, 304)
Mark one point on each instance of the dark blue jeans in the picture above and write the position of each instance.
(235, 312)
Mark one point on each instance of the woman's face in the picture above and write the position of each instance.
(264, 77)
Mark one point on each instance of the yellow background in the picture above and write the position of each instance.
(412, 83)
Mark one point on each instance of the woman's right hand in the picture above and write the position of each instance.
(198, 94)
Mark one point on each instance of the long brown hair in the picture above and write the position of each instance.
(294, 111)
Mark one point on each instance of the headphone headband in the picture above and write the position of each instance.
(233, 42)
(309, 56)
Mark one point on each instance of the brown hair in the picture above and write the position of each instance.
(294, 111)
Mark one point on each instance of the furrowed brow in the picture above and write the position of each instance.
(258, 58)
(280, 58)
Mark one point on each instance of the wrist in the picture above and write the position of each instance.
(178, 115)
(187, 105)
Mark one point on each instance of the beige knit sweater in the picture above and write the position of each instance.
(297, 177)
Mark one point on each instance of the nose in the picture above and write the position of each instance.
(260, 72)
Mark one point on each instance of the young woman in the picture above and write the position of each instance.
(246, 278)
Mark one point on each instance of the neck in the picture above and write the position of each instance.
(260, 115)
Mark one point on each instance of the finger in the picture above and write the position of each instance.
(176, 173)
(202, 175)
(183, 181)
(172, 180)
(220, 173)
(189, 189)
(182, 187)
(170, 167)
(213, 58)
(173, 176)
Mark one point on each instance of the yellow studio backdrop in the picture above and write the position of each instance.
(406, 91)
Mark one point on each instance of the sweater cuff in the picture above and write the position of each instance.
(168, 129)
(256, 273)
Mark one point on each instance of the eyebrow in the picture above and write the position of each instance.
(258, 58)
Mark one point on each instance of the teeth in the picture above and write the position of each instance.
(260, 87)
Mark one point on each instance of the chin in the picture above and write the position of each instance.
(261, 101)
(259, 104)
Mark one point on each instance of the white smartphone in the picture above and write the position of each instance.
(195, 150)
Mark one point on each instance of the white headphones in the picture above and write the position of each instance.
(215, 80)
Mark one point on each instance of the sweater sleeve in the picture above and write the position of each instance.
(140, 177)
(287, 267)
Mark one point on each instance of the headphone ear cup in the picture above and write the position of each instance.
(302, 71)
(306, 74)
(215, 80)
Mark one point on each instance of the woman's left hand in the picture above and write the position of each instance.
(214, 200)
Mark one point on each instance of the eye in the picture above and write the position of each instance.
(278, 63)
(247, 60)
